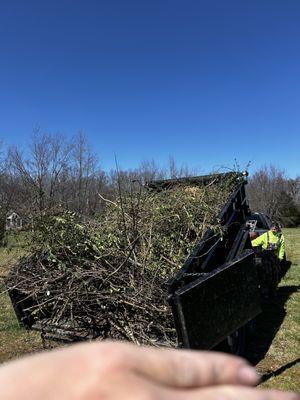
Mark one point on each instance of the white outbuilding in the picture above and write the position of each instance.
(13, 222)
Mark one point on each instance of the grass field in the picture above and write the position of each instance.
(274, 349)
(14, 341)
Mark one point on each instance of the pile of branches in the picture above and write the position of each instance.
(106, 278)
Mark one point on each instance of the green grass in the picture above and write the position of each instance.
(274, 348)
(17, 246)
(278, 328)
(14, 340)
(292, 238)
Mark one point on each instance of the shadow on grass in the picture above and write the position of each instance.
(285, 266)
(279, 371)
(267, 324)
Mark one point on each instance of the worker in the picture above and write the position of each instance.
(122, 371)
(272, 240)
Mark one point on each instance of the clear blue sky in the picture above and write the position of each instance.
(204, 81)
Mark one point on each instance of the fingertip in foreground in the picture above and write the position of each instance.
(188, 368)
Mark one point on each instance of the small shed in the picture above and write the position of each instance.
(13, 222)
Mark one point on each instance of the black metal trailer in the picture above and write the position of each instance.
(218, 291)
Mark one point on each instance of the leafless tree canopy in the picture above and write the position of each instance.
(57, 173)
(272, 193)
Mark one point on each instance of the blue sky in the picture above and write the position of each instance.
(203, 81)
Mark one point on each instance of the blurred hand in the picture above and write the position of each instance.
(121, 371)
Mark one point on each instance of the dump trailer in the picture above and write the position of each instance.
(219, 290)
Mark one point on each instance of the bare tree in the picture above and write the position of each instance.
(176, 171)
(41, 170)
(87, 176)
(3, 194)
(272, 193)
(9, 191)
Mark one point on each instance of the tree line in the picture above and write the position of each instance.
(58, 173)
(271, 192)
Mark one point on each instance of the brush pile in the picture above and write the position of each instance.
(106, 278)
